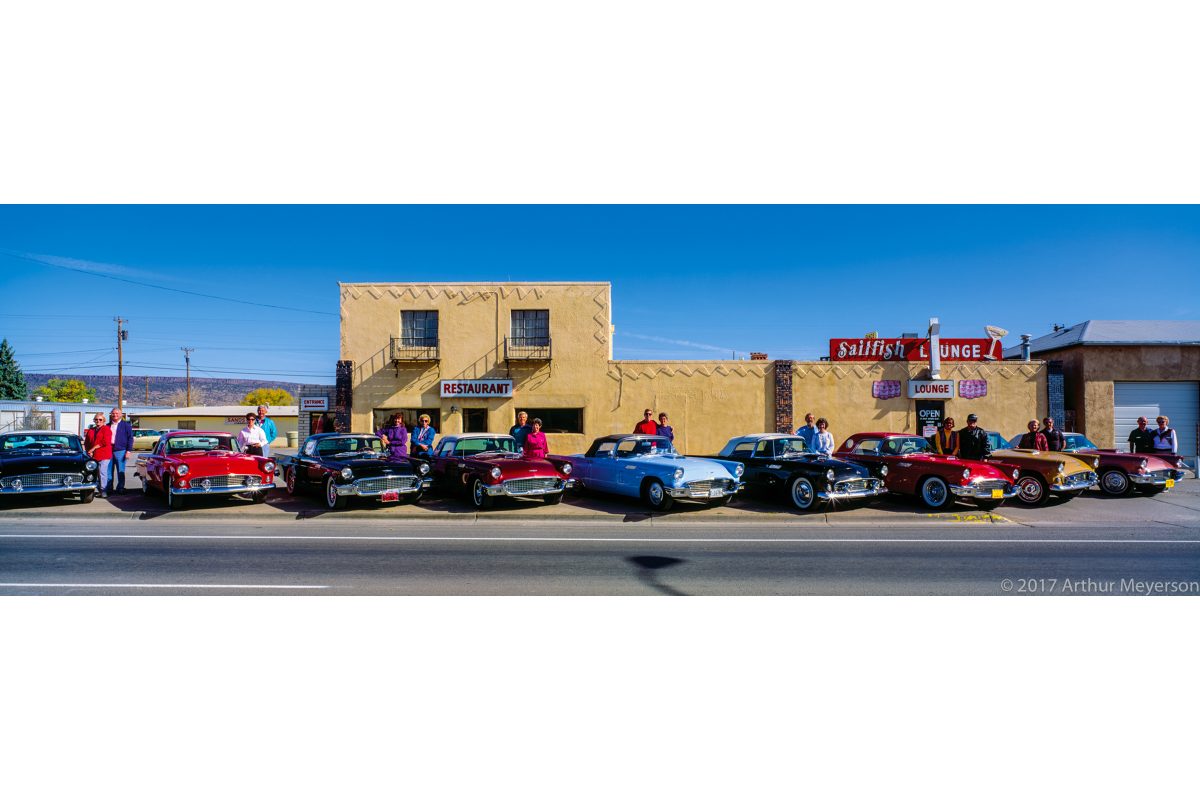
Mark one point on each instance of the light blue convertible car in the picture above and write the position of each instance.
(639, 465)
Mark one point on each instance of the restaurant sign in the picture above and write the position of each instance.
(931, 390)
(913, 349)
(483, 388)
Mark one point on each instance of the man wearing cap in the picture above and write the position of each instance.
(1054, 437)
(973, 441)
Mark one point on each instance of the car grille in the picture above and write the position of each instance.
(1163, 474)
(386, 483)
(854, 485)
(518, 485)
(42, 479)
(1079, 479)
(225, 481)
(716, 483)
(991, 483)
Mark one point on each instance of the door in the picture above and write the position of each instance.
(1177, 400)
(475, 420)
(69, 421)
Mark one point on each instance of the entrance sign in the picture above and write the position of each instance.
(314, 403)
(931, 390)
(488, 388)
(909, 349)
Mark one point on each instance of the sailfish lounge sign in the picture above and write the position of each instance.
(913, 349)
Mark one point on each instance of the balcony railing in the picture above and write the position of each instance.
(414, 348)
(527, 349)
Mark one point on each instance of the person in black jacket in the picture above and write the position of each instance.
(1054, 437)
(1141, 438)
(973, 440)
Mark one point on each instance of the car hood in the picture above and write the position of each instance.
(221, 462)
(841, 469)
(1043, 459)
(979, 469)
(694, 468)
(370, 466)
(1131, 461)
(20, 464)
(515, 467)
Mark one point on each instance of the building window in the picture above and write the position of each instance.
(187, 424)
(557, 420)
(418, 328)
(530, 328)
(411, 415)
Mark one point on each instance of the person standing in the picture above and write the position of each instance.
(647, 425)
(945, 441)
(1141, 438)
(251, 439)
(1054, 437)
(1033, 439)
(268, 428)
(823, 440)
(422, 437)
(395, 436)
(521, 430)
(99, 445)
(808, 430)
(1164, 439)
(664, 427)
(536, 445)
(973, 441)
(122, 443)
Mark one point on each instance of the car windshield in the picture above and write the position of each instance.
(904, 445)
(485, 444)
(184, 444)
(40, 441)
(790, 447)
(365, 446)
(144, 432)
(653, 446)
(997, 442)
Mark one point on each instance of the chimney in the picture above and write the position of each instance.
(1025, 337)
(758, 356)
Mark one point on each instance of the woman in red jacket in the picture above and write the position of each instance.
(536, 445)
(99, 447)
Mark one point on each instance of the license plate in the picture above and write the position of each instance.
(391, 496)
(1170, 483)
(715, 493)
(997, 494)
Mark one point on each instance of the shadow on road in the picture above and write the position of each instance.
(648, 572)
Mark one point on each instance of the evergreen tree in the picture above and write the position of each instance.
(12, 379)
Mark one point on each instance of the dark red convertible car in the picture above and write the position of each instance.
(484, 466)
(914, 469)
(1123, 473)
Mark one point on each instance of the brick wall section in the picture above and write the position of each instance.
(1056, 394)
(783, 396)
(343, 396)
(304, 418)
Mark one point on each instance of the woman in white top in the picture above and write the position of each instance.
(823, 439)
(251, 439)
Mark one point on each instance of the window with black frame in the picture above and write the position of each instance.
(530, 328)
(418, 328)
(557, 420)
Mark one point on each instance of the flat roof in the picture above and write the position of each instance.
(217, 411)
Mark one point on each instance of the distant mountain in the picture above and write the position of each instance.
(166, 391)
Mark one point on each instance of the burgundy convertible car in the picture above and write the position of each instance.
(485, 466)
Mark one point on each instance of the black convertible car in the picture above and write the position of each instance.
(780, 466)
(345, 465)
(46, 462)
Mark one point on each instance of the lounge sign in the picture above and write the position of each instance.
(931, 390)
(489, 388)
(913, 349)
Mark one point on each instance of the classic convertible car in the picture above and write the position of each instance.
(346, 465)
(1043, 472)
(45, 462)
(145, 438)
(645, 466)
(190, 463)
(484, 466)
(780, 465)
(1122, 473)
(912, 468)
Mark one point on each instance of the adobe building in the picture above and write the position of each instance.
(472, 354)
(1114, 371)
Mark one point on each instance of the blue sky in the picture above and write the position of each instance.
(688, 281)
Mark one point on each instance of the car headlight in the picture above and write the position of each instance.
(829, 475)
(883, 470)
(424, 468)
(1144, 463)
(269, 466)
(91, 465)
(566, 469)
(495, 472)
(1096, 463)
(679, 473)
(1062, 467)
(347, 473)
(1016, 474)
(738, 470)
(966, 473)
(182, 470)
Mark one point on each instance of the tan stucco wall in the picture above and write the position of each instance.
(841, 392)
(1090, 371)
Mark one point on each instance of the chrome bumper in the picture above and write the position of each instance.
(222, 489)
(500, 490)
(983, 493)
(1157, 478)
(353, 489)
(876, 488)
(75, 487)
(686, 493)
(1076, 484)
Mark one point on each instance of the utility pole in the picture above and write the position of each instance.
(147, 390)
(122, 335)
(187, 358)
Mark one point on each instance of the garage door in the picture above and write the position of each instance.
(1175, 399)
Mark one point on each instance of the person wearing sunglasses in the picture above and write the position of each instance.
(647, 425)
(98, 441)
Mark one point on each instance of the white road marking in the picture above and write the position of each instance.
(153, 586)
(639, 540)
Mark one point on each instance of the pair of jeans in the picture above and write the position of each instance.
(116, 480)
(102, 473)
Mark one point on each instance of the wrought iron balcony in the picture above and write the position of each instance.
(414, 348)
(527, 349)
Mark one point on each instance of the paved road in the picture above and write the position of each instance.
(175, 555)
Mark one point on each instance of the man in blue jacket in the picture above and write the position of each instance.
(122, 443)
(268, 426)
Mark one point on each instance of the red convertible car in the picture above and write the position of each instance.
(195, 463)
(1123, 473)
(914, 469)
(484, 466)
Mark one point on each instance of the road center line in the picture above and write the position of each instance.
(576, 539)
